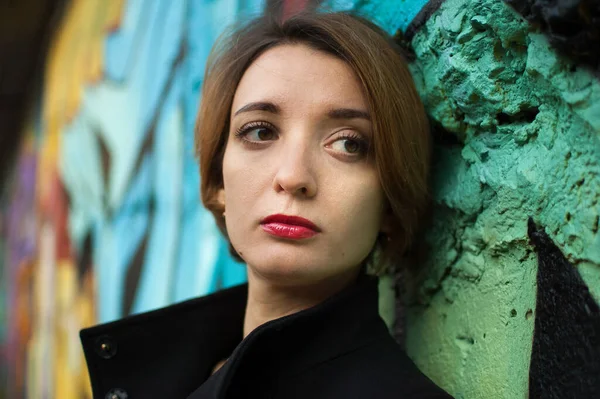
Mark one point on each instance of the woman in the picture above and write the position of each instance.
(314, 154)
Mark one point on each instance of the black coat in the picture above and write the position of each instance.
(340, 348)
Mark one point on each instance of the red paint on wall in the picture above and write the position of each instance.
(291, 7)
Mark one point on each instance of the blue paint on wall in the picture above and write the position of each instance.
(389, 14)
(115, 241)
(150, 91)
(155, 282)
(120, 46)
(143, 112)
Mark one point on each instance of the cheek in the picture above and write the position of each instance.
(359, 209)
(243, 182)
(234, 174)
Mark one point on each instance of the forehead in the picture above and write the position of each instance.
(295, 74)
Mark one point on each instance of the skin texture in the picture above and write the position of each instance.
(299, 163)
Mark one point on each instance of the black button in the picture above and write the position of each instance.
(116, 393)
(105, 347)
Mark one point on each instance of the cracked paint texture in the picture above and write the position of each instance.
(517, 135)
(527, 129)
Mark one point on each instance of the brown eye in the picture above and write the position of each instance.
(351, 146)
(256, 133)
(263, 134)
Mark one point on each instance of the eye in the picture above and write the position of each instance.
(260, 134)
(350, 144)
(256, 132)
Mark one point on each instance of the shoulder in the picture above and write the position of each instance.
(386, 371)
(380, 370)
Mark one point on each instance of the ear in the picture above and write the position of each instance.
(221, 197)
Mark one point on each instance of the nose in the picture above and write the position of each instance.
(294, 173)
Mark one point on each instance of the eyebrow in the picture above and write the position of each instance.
(259, 106)
(348, 113)
(338, 113)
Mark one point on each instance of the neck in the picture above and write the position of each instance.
(269, 300)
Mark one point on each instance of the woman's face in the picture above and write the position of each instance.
(298, 145)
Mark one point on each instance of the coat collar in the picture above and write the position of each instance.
(295, 343)
(203, 331)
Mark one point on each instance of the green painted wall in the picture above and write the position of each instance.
(526, 127)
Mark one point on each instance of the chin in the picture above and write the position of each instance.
(288, 267)
(287, 273)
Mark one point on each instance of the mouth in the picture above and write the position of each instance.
(291, 227)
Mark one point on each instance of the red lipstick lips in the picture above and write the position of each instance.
(292, 227)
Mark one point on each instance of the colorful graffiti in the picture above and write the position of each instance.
(103, 217)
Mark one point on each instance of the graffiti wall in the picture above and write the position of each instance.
(103, 219)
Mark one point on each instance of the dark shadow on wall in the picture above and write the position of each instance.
(26, 27)
(565, 357)
(572, 26)
(412, 272)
